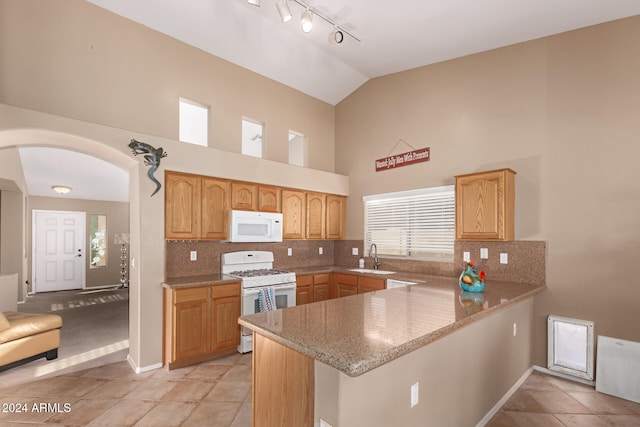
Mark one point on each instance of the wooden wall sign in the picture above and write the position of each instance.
(404, 159)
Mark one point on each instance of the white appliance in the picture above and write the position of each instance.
(250, 226)
(255, 269)
(393, 283)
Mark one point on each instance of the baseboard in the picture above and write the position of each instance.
(139, 370)
(504, 398)
(565, 376)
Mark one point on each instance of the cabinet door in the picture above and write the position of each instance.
(190, 323)
(346, 284)
(485, 204)
(320, 292)
(304, 289)
(244, 196)
(181, 206)
(315, 216)
(215, 209)
(293, 214)
(225, 310)
(335, 229)
(268, 199)
(370, 284)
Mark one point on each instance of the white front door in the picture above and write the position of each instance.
(59, 247)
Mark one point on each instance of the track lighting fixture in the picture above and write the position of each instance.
(306, 21)
(283, 9)
(254, 2)
(336, 36)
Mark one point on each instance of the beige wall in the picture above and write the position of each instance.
(461, 377)
(562, 111)
(77, 60)
(13, 250)
(78, 77)
(117, 222)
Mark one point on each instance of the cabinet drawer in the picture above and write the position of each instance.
(321, 278)
(304, 280)
(222, 291)
(372, 283)
(347, 279)
(190, 294)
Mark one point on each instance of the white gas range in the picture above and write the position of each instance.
(255, 269)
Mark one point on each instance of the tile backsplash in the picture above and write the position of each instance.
(526, 259)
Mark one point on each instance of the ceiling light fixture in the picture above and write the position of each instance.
(254, 2)
(306, 21)
(336, 36)
(61, 189)
(283, 9)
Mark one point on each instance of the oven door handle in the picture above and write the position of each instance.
(255, 290)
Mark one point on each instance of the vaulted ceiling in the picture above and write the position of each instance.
(394, 35)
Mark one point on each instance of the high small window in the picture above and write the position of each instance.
(194, 122)
(415, 223)
(252, 137)
(297, 149)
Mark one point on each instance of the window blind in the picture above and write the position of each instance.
(416, 223)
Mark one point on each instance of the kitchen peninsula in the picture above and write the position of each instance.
(352, 361)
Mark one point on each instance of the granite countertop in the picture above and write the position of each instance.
(203, 280)
(358, 333)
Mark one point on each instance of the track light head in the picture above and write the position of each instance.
(307, 21)
(336, 36)
(284, 10)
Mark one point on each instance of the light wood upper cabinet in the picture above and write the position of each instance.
(269, 199)
(215, 209)
(485, 205)
(336, 210)
(293, 214)
(244, 196)
(182, 206)
(316, 214)
(195, 207)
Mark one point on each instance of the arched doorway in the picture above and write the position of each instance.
(12, 140)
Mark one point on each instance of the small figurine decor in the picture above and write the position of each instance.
(152, 158)
(470, 279)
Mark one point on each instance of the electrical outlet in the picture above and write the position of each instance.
(515, 329)
(466, 256)
(193, 255)
(320, 250)
(504, 258)
(414, 394)
(484, 253)
(289, 251)
(354, 251)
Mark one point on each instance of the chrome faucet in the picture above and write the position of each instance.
(376, 261)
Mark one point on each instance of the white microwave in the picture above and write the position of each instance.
(249, 226)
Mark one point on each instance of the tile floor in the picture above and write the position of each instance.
(548, 401)
(216, 393)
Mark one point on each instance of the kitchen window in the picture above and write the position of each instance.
(412, 224)
(252, 137)
(194, 122)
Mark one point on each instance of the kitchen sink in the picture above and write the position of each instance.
(371, 271)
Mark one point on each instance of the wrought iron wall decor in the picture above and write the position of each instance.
(152, 158)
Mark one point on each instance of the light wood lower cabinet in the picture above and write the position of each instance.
(200, 323)
(370, 284)
(346, 285)
(313, 288)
